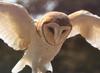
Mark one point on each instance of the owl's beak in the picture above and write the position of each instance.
(57, 35)
(61, 34)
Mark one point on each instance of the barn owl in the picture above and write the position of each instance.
(41, 39)
(87, 24)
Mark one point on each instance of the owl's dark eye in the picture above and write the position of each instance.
(51, 30)
(46, 22)
(64, 31)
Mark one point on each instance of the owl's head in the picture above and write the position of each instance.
(54, 28)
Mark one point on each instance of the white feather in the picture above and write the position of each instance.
(15, 26)
(88, 25)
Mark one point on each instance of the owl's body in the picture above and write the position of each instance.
(40, 55)
(41, 52)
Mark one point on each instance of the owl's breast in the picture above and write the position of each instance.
(40, 51)
(48, 53)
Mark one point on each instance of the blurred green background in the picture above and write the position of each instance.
(76, 55)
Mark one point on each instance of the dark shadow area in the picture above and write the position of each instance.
(77, 56)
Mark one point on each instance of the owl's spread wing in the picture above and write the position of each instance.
(15, 26)
(86, 24)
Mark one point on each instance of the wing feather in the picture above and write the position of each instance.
(15, 26)
(88, 25)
